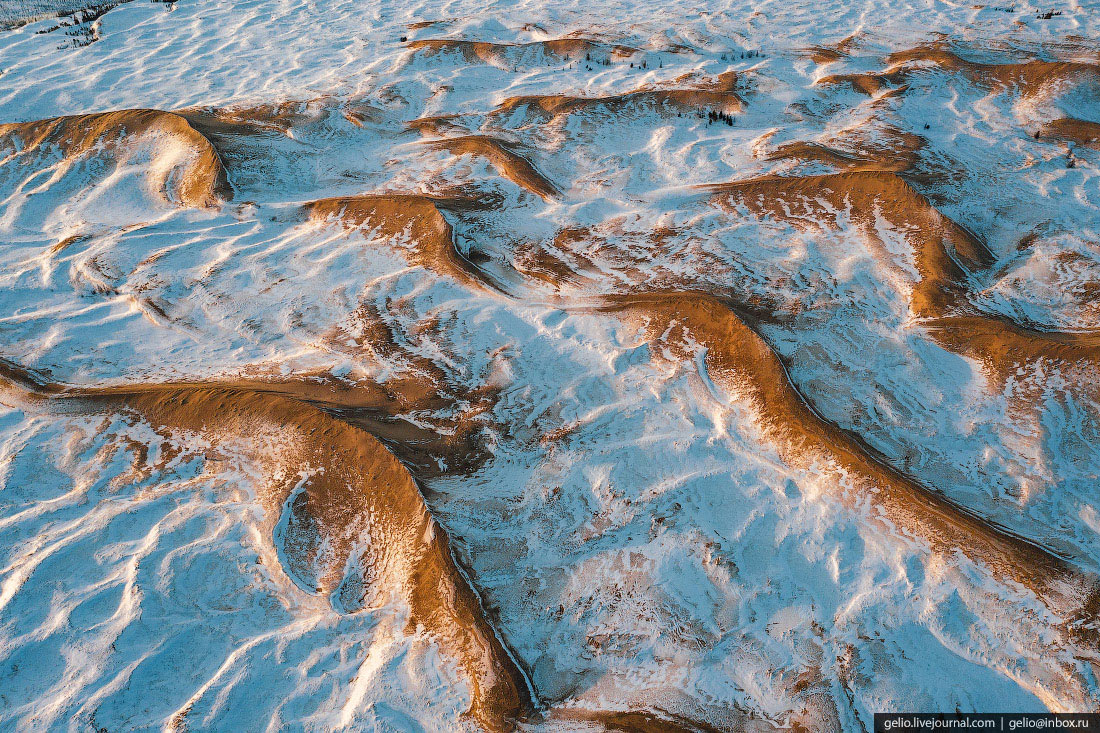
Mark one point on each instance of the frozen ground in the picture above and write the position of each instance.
(645, 531)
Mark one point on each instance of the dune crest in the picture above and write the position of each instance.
(200, 182)
(1079, 132)
(504, 158)
(415, 217)
(280, 117)
(554, 106)
(347, 517)
(737, 358)
(506, 54)
(1029, 78)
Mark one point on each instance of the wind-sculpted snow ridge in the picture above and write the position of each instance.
(347, 519)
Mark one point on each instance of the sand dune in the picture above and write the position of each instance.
(896, 161)
(201, 182)
(737, 358)
(345, 515)
(436, 125)
(568, 49)
(873, 85)
(416, 218)
(1029, 78)
(1003, 345)
(562, 105)
(1079, 132)
(280, 117)
(812, 200)
(777, 452)
(825, 53)
(945, 254)
(504, 158)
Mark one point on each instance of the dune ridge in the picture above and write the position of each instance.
(330, 485)
(569, 49)
(278, 117)
(201, 183)
(946, 255)
(415, 216)
(1030, 78)
(738, 358)
(554, 106)
(504, 158)
(1080, 132)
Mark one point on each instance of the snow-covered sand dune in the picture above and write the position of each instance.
(550, 366)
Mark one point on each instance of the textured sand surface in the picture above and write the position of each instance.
(547, 366)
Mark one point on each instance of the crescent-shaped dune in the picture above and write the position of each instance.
(346, 517)
(200, 182)
(508, 163)
(417, 218)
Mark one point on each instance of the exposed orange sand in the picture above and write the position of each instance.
(415, 217)
(845, 161)
(437, 125)
(873, 85)
(507, 162)
(1002, 345)
(823, 54)
(433, 446)
(355, 489)
(937, 240)
(1029, 77)
(944, 253)
(573, 49)
(1075, 131)
(560, 105)
(736, 357)
(278, 117)
(203, 182)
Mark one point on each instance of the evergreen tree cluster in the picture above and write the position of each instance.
(714, 116)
